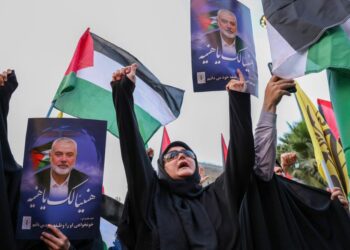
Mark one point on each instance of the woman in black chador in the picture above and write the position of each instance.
(171, 210)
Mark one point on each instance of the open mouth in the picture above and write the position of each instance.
(183, 164)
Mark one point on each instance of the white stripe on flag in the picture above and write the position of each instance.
(287, 62)
(144, 96)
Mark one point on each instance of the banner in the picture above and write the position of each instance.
(62, 177)
(222, 42)
(328, 151)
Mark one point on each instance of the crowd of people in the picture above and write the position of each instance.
(247, 207)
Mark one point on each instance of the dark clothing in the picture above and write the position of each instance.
(76, 179)
(284, 214)
(10, 179)
(111, 210)
(10, 172)
(154, 217)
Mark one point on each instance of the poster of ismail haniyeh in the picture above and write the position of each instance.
(222, 46)
(62, 177)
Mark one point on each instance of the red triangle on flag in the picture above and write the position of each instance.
(165, 141)
(326, 109)
(83, 55)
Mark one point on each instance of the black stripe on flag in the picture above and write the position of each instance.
(171, 95)
(302, 22)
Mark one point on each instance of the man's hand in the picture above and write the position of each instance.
(337, 193)
(275, 89)
(55, 241)
(3, 77)
(288, 159)
(129, 71)
(237, 85)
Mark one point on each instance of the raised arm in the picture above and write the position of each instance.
(266, 132)
(139, 172)
(8, 84)
(10, 171)
(265, 141)
(240, 157)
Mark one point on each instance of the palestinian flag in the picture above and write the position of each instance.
(40, 156)
(309, 36)
(326, 109)
(165, 141)
(85, 90)
(111, 213)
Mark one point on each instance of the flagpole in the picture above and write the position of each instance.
(328, 176)
(50, 109)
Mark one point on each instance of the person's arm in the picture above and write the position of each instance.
(240, 156)
(139, 171)
(265, 141)
(266, 132)
(8, 84)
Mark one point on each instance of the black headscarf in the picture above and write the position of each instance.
(185, 202)
(189, 186)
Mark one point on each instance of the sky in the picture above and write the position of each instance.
(39, 38)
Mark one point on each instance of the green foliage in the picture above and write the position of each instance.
(299, 141)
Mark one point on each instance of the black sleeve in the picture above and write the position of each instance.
(139, 172)
(240, 158)
(5, 96)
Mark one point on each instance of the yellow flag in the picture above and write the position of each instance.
(328, 150)
(60, 114)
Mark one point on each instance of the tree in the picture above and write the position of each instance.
(298, 140)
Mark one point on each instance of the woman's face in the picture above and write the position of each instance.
(179, 163)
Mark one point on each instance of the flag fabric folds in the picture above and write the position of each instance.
(310, 36)
(328, 151)
(85, 89)
(326, 109)
(307, 36)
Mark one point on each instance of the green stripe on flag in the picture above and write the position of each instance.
(83, 99)
(147, 124)
(329, 51)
